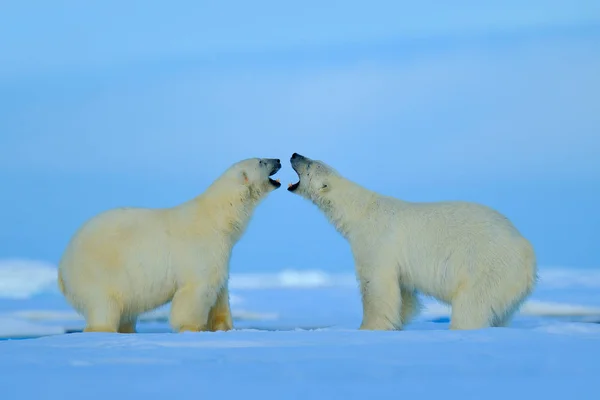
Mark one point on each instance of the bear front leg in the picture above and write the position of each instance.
(190, 307)
(219, 318)
(381, 298)
(411, 305)
(128, 325)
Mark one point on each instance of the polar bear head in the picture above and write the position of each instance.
(316, 179)
(254, 175)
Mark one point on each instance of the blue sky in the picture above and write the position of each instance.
(146, 103)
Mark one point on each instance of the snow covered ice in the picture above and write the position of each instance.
(549, 361)
(296, 337)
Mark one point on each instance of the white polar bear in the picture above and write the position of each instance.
(128, 261)
(463, 254)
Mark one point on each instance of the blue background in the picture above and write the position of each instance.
(109, 104)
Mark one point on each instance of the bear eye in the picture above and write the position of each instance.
(260, 162)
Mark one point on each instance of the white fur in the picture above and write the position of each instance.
(127, 261)
(463, 254)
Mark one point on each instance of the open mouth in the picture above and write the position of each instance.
(274, 182)
(293, 186)
(294, 161)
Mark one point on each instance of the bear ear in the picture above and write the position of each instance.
(324, 187)
(244, 177)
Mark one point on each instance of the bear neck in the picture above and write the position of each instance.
(230, 210)
(349, 207)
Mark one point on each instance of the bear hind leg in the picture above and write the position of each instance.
(470, 311)
(508, 309)
(475, 309)
(504, 317)
(104, 316)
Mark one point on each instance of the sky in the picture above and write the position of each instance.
(146, 103)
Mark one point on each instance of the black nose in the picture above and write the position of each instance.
(296, 155)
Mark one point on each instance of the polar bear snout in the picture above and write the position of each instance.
(271, 164)
(275, 165)
(299, 164)
(314, 176)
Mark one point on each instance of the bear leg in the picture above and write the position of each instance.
(470, 310)
(190, 308)
(411, 305)
(128, 325)
(219, 317)
(105, 316)
(507, 309)
(381, 300)
(489, 304)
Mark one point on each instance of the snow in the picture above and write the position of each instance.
(21, 279)
(295, 338)
(549, 361)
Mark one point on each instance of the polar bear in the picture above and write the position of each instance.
(463, 254)
(127, 261)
